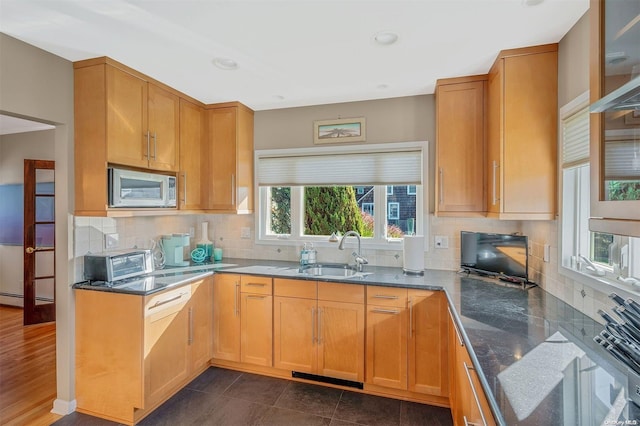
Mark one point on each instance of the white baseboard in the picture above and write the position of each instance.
(63, 407)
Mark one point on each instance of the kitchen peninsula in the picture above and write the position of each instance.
(534, 356)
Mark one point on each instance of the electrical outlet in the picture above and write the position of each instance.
(441, 241)
(546, 255)
(245, 233)
(111, 241)
(192, 232)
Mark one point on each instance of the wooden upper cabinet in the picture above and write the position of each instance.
(126, 101)
(230, 131)
(460, 146)
(142, 122)
(614, 129)
(124, 118)
(522, 134)
(193, 157)
(164, 128)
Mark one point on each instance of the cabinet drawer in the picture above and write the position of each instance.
(387, 296)
(296, 288)
(336, 292)
(167, 302)
(256, 285)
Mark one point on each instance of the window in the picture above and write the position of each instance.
(393, 211)
(307, 194)
(605, 256)
(411, 190)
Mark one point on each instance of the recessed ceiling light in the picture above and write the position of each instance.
(225, 64)
(531, 2)
(385, 38)
(383, 86)
(279, 97)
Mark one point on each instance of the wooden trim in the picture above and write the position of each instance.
(457, 80)
(531, 50)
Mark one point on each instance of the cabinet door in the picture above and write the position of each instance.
(257, 329)
(386, 353)
(294, 333)
(164, 128)
(428, 355)
(200, 320)
(226, 317)
(494, 138)
(530, 133)
(341, 340)
(193, 157)
(222, 159)
(166, 357)
(126, 119)
(460, 148)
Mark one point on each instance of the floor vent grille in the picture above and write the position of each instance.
(324, 379)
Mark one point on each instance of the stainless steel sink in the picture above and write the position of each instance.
(333, 270)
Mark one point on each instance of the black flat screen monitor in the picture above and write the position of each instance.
(502, 255)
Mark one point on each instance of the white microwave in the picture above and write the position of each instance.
(129, 188)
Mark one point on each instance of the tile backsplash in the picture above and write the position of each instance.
(225, 232)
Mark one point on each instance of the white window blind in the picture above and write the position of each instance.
(387, 167)
(575, 138)
(622, 159)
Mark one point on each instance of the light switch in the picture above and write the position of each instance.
(441, 241)
(547, 253)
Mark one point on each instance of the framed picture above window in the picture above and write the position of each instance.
(339, 130)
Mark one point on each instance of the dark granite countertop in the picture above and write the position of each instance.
(535, 354)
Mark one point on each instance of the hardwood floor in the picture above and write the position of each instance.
(27, 370)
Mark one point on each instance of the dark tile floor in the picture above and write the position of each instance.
(227, 398)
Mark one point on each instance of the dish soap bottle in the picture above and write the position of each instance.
(304, 255)
(205, 243)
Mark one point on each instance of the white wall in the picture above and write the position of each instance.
(38, 85)
(13, 150)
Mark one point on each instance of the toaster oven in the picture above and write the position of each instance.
(117, 264)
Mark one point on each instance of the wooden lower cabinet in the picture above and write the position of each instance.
(407, 340)
(469, 405)
(242, 319)
(319, 328)
(134, 352)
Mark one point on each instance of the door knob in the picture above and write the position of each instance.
(31, 249)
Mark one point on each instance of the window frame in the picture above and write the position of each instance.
(296, 238)
(568, 229)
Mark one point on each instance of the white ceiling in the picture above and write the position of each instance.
(291, 52)
(10, 125)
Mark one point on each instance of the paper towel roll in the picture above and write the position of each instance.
(413, 254)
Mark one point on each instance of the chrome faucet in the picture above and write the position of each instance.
(360, 260)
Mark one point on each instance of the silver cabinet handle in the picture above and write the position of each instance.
(233, 189)
(495, 199)
(190, 325)
(146, 155)
(411, 317)
(320, 312)
(385, 311)
(475, 393)
(235, 299)
(184, 186)
(385, 296)
(313, 326)
(155, 145)
(164, 302)
(441, 185)
(455, 327)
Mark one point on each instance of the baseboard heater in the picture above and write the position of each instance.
(324, 379)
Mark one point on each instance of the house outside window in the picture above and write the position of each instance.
(393, 211)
